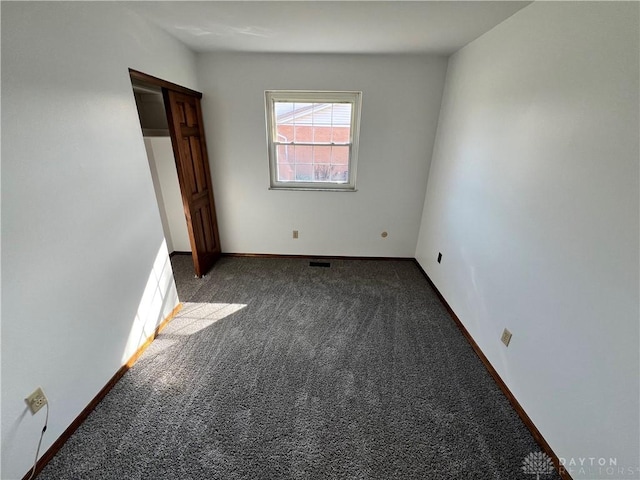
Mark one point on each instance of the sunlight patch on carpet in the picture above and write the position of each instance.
(198, 316)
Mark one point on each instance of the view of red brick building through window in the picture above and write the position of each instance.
(313, 141)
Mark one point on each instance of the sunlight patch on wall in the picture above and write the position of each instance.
(158, 300)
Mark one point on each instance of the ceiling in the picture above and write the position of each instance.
(356, 26)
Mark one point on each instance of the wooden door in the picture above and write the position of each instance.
(187, 137)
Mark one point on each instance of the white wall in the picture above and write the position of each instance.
(157, 188)
(85, 272)
(165, 180)
(533, 200)
(400, 104)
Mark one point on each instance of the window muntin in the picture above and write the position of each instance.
(313, 139)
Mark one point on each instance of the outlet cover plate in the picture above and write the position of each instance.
(36, 400)
(506, 337)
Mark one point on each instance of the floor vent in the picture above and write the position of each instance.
(319, 264)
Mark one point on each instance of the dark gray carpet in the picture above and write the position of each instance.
(275, 369)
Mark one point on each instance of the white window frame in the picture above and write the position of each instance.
(304, 96)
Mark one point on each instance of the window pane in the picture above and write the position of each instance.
(284, 133)
(304, 173)
(340, 155)
(322, 172)
(340, 173)
(341, 134)
(288, 113)
(285, 172)
(283, 153)
(302, 113)
(282, 109)
(319, 163)
(286, 160)
(322, 134)
(313, 122)
(303, 133)
(304, 154)
(342, 114)
(322, 154)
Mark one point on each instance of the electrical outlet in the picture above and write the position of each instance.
(36, 400)
(506, 337)
(295, 234)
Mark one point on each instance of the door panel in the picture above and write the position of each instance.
(187, 136)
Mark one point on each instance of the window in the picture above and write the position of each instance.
(313, 139)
